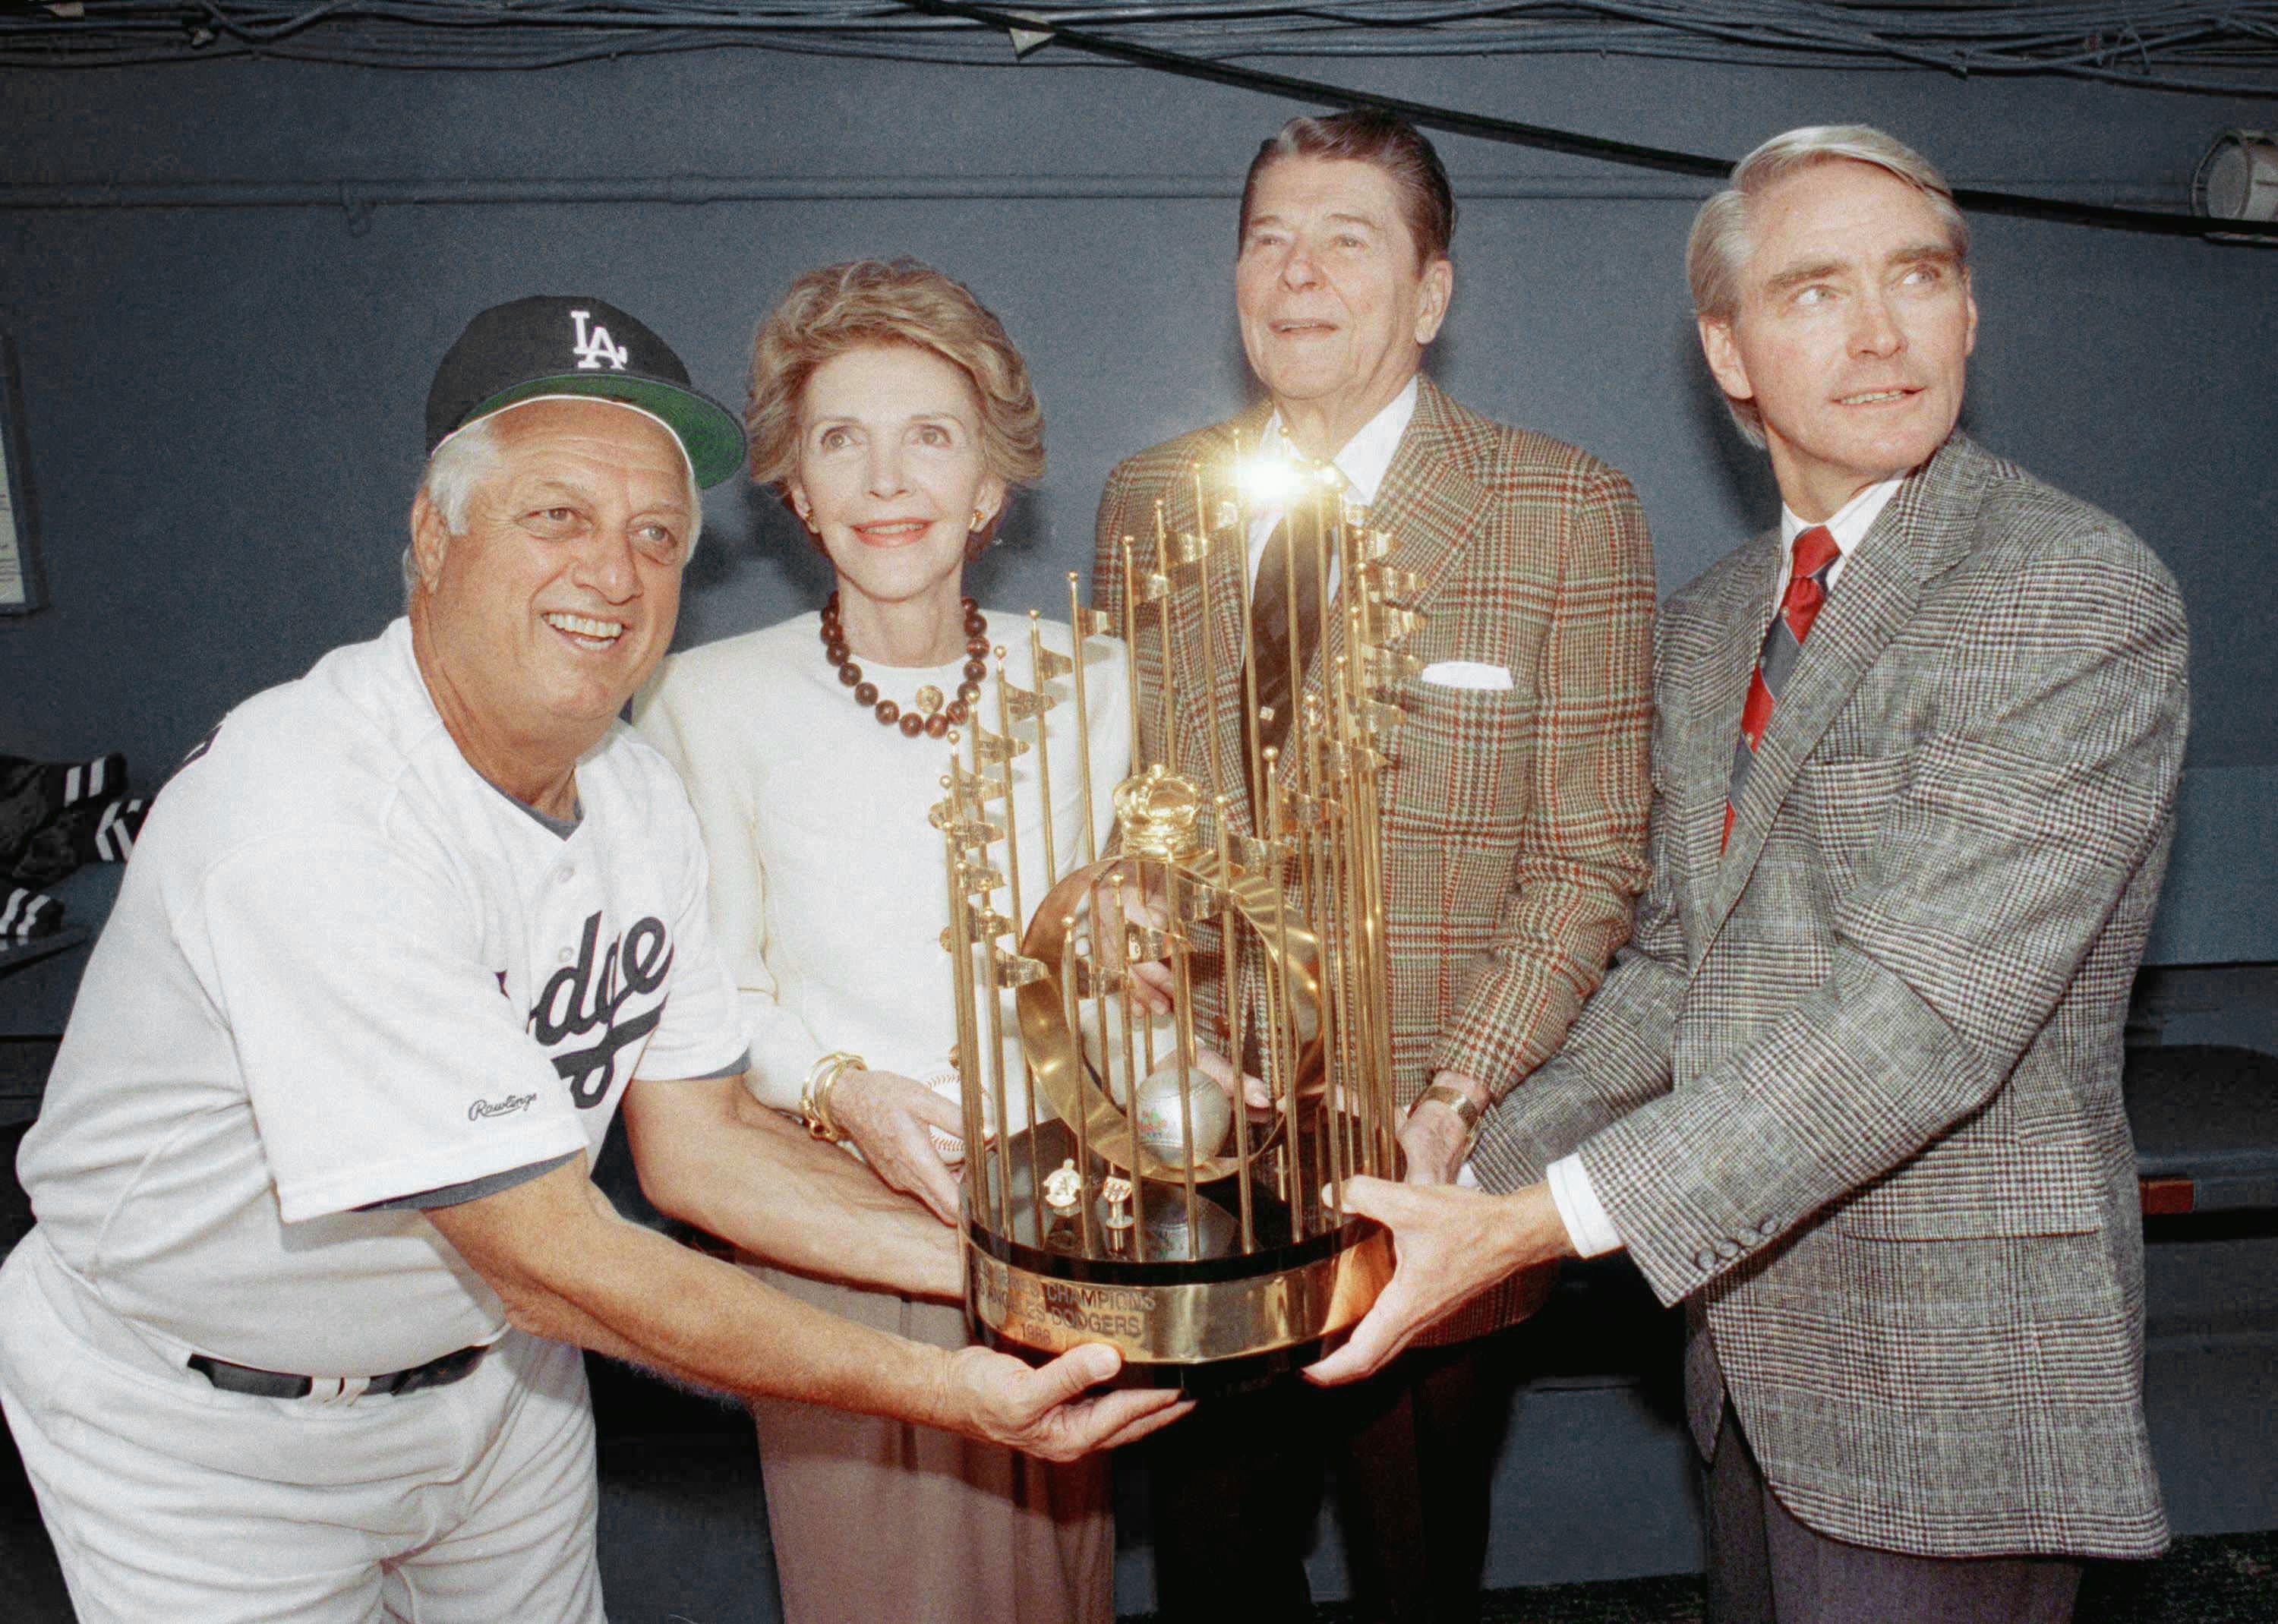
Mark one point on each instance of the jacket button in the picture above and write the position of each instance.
(1704, 1260)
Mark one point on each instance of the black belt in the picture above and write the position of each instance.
(437, 1372)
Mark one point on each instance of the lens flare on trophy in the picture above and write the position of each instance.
(1269, 482)
(1170, 1181)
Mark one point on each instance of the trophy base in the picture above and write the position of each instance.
(1174, 1291)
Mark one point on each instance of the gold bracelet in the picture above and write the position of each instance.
(815, 1097)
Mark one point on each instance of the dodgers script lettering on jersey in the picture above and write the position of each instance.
(594, 993)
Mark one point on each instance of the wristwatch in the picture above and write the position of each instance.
(1466, 1109)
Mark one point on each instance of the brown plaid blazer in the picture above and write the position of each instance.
(1515, 821)
(1853, 1091)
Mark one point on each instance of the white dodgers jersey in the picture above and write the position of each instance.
(344, 969)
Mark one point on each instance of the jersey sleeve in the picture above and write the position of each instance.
(381, 1055)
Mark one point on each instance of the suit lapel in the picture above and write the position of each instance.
(1923, 531)
(1427, 503)
(1703, 729)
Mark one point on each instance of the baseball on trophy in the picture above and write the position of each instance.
(1164, 1120)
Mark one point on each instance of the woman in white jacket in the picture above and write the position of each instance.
(893, 415)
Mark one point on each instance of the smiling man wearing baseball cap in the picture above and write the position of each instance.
(297, 1334)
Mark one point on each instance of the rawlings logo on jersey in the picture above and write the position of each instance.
(483, 1111)
(590, 996)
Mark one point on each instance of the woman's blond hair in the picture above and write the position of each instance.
(868, 302)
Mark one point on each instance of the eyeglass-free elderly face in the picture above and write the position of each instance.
(537, 620)
(892, 476)
(1336, 310)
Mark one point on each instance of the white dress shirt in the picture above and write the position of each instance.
(1362, 461)
(1588, 1226)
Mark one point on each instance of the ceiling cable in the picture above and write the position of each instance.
(1544, 138)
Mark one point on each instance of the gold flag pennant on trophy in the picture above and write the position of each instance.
(1390, 668)
(1014, 970)
(1026, 705)
(1393, 583)
(973, 788)
(997, 747)
(1391, 625)
(971, 831)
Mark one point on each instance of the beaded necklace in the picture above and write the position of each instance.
(927, 716)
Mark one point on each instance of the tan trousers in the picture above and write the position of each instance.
(879, 1519)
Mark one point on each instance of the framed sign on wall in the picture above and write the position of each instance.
(22, 590)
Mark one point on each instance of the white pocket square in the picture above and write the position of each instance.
(1465, 674)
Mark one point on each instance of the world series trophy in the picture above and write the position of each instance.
(1135, 1201)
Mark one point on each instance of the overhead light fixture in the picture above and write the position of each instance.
(2238, 179)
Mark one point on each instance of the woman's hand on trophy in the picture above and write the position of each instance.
(888, 1116)
(1045, 1412)
(1449, 1245)
(1219, 1070)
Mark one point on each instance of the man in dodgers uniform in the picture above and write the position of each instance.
(398, 940)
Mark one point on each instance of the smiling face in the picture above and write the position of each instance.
(891, 475)
(537, 621)
(1335, 311)
(1853, 332)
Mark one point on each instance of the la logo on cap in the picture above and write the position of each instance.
(594, 348)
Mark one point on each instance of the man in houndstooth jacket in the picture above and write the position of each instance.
(1514, 821)
(1853, 1092)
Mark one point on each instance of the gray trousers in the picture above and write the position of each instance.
(1767, 1567)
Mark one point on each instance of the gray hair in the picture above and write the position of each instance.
(1717, 254)
(461, 465)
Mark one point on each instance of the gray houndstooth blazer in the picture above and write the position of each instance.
(1853, 1091)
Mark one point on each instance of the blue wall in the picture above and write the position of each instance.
(223, 401)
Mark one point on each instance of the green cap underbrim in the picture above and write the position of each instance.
(708, 431)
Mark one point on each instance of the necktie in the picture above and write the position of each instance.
(1271, 614)
(1815, 553)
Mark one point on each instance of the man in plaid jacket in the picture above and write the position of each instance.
(1514, 818)
(1853, 1092)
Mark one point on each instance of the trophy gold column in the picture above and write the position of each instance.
(1141, 1205)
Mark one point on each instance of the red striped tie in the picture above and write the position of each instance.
(1815, 553)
